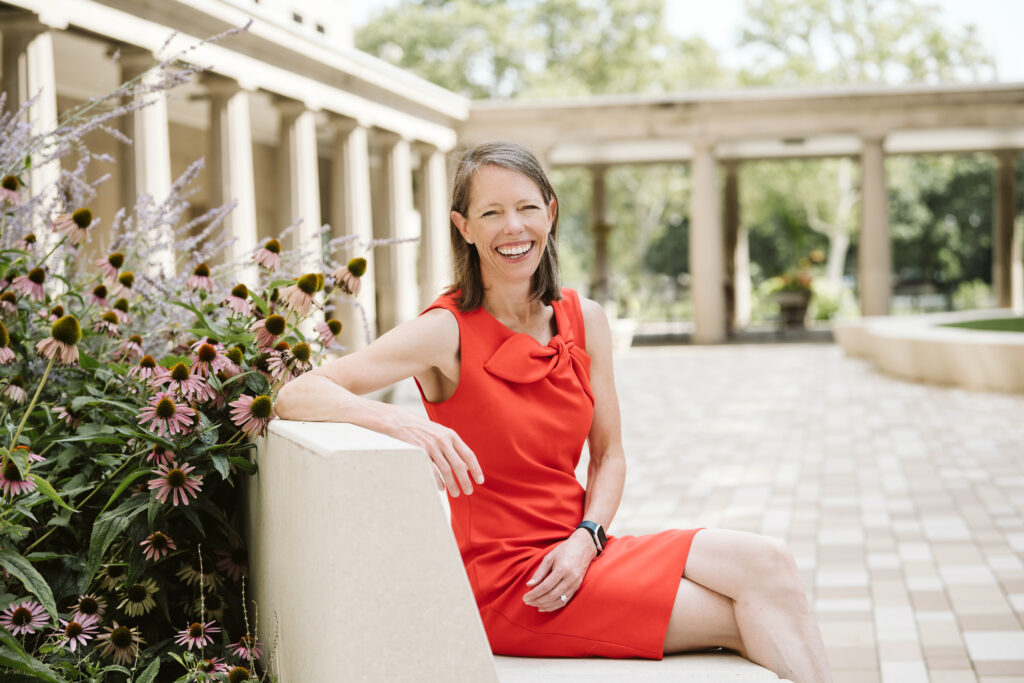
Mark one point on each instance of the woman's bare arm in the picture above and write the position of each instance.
(333, 393)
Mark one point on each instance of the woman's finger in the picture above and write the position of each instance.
(470, 459)
(446, 473)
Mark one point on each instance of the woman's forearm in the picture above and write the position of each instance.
(606, 477)
(316, 398)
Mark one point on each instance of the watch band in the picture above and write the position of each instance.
(596, 532)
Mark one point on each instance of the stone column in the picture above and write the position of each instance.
(1006, 256)
(737, 252)
(351, 215)
(231, 170)
(28, 71)
(146, 163)
(600, 285)
(706, 266)
(435, 239)
(297, 172)
(397, 297)
(875, 254)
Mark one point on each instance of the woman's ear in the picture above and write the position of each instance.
(552, 211)
(460, 224)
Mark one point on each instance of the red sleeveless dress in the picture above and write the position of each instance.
(525, 410)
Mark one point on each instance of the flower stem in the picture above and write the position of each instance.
(28, 411)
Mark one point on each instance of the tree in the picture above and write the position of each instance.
(814, 42)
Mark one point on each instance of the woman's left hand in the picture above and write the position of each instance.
(561, 572)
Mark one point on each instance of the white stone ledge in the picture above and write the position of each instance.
(918, 348)
(357, 576)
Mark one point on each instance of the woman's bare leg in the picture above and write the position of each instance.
(758, 577)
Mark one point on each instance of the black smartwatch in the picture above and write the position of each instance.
(596, 532)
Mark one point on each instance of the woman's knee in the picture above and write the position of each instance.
(779, 578)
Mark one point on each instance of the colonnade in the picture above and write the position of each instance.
(400, 278)
(719, 254)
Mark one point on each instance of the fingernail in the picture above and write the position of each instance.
(480, 480)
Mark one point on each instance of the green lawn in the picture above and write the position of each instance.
(996, 325)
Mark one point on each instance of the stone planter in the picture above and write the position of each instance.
(792, 307)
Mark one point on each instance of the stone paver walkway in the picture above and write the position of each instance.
(903, 503)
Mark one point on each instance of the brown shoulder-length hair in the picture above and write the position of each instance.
(547, 285)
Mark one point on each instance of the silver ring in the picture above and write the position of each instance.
(563, 597)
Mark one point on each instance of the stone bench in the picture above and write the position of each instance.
(357, 577)
(920, 348)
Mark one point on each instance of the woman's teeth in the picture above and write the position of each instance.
(514, 251)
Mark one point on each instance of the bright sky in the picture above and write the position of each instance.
(998, 22)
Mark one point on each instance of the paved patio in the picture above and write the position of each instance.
(903, 503)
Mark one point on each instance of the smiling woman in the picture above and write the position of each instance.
(515, 375)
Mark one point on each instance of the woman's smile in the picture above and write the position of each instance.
(515, 251)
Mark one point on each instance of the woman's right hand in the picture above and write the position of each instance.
(454, 461)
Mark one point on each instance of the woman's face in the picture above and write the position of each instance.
(508, 222)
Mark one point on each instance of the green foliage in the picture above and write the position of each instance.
(993, 325)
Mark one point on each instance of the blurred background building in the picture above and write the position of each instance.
(868, 150)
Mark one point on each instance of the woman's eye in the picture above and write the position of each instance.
(530, 206)
(490, 213)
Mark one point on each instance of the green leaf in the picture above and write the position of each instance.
(46, 488)
(244, 464)
(221, 464)
(261, 303)
(33, 581)
(86, 361)
(171, 361)
(149, 675)
(13, 656)
(125, 483)
(20, 458)
(279, 283)
(109, 526)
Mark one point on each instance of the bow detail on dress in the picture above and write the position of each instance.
(523, 360)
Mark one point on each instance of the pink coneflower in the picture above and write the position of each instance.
(328, 331)
(299, 297)
(200, 278)
(237, 300)
(129, 348)
(62, 344)
(32, 284)
(157, 545)
(233, 562)
(160, 456)
(66, 415)
(247, 647)
(74, 225)
(252, 414)
(348, 276)
(165, 416)
(9, 190)
(236, 356)
(277, 364)
(146, 368)
(77, 631)
(15, 389)
(120, 309)
(213, 665)
(210, 360)
(26, 617)
(111, 576)
(268, 330)
(197, 635)
(89, 605)
(209, 603)
(12, 482)
(110, 265)
(6, 355)
(8, 302)
(26, 243)
(138, 598)
(269, 255)
(107, 323)
(176, 482)
(179, 379)
(125, 282)
(54, 314)
(190, 573)
(98, 296)
(122, 642)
